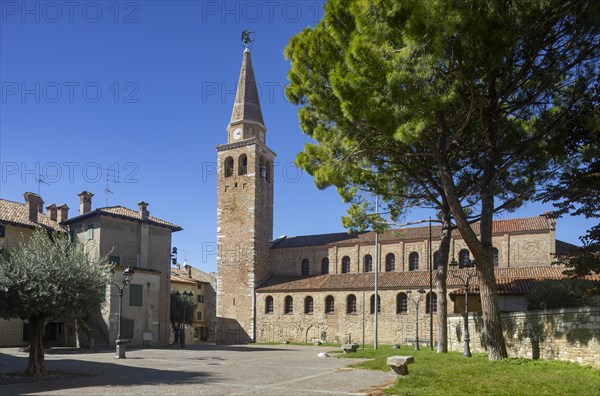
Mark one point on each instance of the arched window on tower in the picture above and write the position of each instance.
(345, 264)
(262, 170)
(463, 258)
(401, 303)
(243, 165)
(351, 304)
(495, 257)
(413, 261)
(367, 263)
(436, 259)
(325, 265)
(431, 303)
(228, 164)
(390, 263)
(305, 267)
(268, 171)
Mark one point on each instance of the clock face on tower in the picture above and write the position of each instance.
(261, 136)
(237, 134)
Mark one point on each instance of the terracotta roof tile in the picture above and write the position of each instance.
(125, 213)
(516, 286)
(527, 224)
(18, 214)
(395, 280)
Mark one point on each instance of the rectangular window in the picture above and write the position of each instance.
(201, 298)
(90, 231)
(116, 260)
(127, 328)
(199, 315)
(2, 230)
(135, 295)
(199, 285)
(197, 332)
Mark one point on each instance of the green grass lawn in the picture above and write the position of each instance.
(453, 374)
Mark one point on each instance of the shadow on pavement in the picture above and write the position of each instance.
(90, 374)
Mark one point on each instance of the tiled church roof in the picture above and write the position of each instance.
(398, 280)
(17, 213)
(526, 224)
(125, 213)
(563, 248)
(524, 286)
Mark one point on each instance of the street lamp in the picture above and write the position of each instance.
(421, 291)
(466, 279)
(127, 276)
(182, 327)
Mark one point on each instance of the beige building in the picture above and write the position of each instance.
(185, 278)
(322, 286)
(121, 236)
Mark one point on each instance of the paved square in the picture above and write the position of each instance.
(198, 370)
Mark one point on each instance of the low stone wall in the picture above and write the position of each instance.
(564, 334)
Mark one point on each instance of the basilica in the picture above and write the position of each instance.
(321, 287)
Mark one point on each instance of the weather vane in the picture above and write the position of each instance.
(246, 39)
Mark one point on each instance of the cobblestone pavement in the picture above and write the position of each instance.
(199, 370)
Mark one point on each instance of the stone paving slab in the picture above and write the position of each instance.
(198, 370)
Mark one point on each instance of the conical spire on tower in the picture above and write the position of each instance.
(246, 107)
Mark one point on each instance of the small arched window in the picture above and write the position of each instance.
(401, 303)
(305, 267)
(228, 164)
(463, 258)
(325, 265)
(329, 305)
(431, 302)
(372, 309)
(262, 169)
(390, 263)
(308, 305)
(269, 305)
(288, 305)
(495, 257)
(242, 165)
(368, 263)
(351, 304)
(413, 261)
(436, 259)
(268, 171)
(345, 264)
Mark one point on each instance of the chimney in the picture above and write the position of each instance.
(85, 202)
(34, 205)
(188, 268)
(143, 209)
(51, 212)
(63, 213)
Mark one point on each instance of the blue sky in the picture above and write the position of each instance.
(141, 92)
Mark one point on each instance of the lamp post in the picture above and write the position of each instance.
(421, 291)
(466, 279)
(182, 329)
(127, 276)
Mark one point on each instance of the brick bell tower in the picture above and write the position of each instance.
(244, 213)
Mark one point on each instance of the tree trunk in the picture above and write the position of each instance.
(481, 249)
(440, 277)
(36, 366)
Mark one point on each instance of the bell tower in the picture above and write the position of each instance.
(244, 212)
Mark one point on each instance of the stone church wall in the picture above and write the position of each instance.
(339, 326)
(571, 334)
(514, 250)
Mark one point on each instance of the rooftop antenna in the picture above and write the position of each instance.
(39, 180)
(110, 177)
(185, 254)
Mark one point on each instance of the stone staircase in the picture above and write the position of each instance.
(93, 333)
